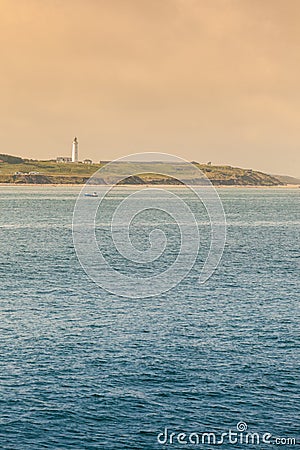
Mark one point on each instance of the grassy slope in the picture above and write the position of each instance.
(49, 168)
(52, 172)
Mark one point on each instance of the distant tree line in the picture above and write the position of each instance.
(11, 159)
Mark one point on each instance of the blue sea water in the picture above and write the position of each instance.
(84, 369)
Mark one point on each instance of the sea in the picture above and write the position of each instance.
(197, 366)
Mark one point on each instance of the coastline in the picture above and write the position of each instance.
(130, 186)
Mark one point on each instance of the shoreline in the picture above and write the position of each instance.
(130, 186)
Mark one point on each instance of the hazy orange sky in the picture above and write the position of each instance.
(206, 80)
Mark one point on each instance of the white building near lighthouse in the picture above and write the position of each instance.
(75, 150)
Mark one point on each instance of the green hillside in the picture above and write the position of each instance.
(47, 172)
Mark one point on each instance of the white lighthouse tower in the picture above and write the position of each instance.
(75, 150)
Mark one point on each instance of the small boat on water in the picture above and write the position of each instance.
(92, 194)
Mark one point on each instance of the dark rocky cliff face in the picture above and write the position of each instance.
(244, 180)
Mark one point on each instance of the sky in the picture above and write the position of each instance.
(205, 80)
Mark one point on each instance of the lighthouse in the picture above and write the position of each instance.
(75, 150)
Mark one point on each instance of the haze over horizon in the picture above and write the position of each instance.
(208, 81)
